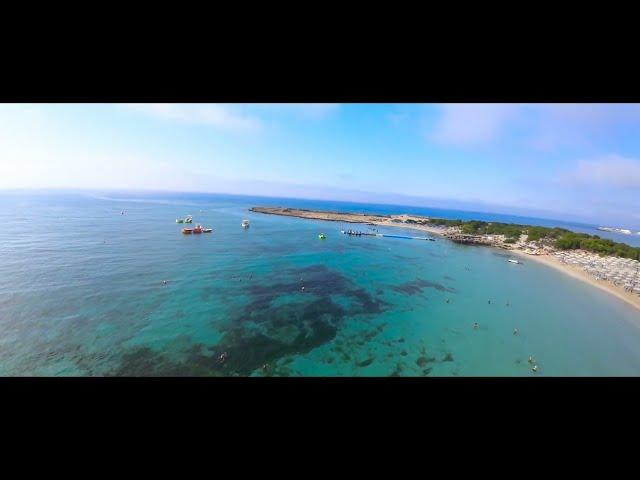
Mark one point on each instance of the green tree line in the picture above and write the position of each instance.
(563, 239)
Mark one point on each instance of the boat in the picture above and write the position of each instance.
(179, 220)
(188, 219)
(245, 223)
(513, 260)
(207, 230)
(322, 236)
(187, 231)
(624, 231)
(197, 229)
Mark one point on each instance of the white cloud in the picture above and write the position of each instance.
(236, 118)
(607, 171)
(542, 126)
(472, 124)
(36, 153)
(222, 117)
(44, 166)
(304, 110)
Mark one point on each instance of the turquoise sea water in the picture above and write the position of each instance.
(81, 293)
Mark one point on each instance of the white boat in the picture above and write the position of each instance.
(624, 231)
(245, 223)
(513, 260)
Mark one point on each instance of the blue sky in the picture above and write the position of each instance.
(566, 161)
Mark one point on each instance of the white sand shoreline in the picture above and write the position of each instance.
(579, 274)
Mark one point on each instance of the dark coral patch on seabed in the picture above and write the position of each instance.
(366, 363)
(419, 285)
(423, 361)
(291, 329)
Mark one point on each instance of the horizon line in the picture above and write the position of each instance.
(285, 197)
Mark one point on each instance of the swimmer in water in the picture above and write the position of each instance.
(515, 331)
(302, 288)
(530, 359)
(476, 326)
(489, 301)
(534, 368)
(164, 282)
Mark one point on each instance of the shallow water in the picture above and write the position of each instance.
(81, 294)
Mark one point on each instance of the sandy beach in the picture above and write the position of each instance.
(420, 223)
(579, 274)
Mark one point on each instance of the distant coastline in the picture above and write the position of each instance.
(537, 251)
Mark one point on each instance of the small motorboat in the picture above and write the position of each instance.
(513, 260)
(188, 219)
(322, 236)
(245, 223)
(197, 229)
(179, 220)
(207, 230)
(187, 231)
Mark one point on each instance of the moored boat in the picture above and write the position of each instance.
(187, 231)
(513, 260)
